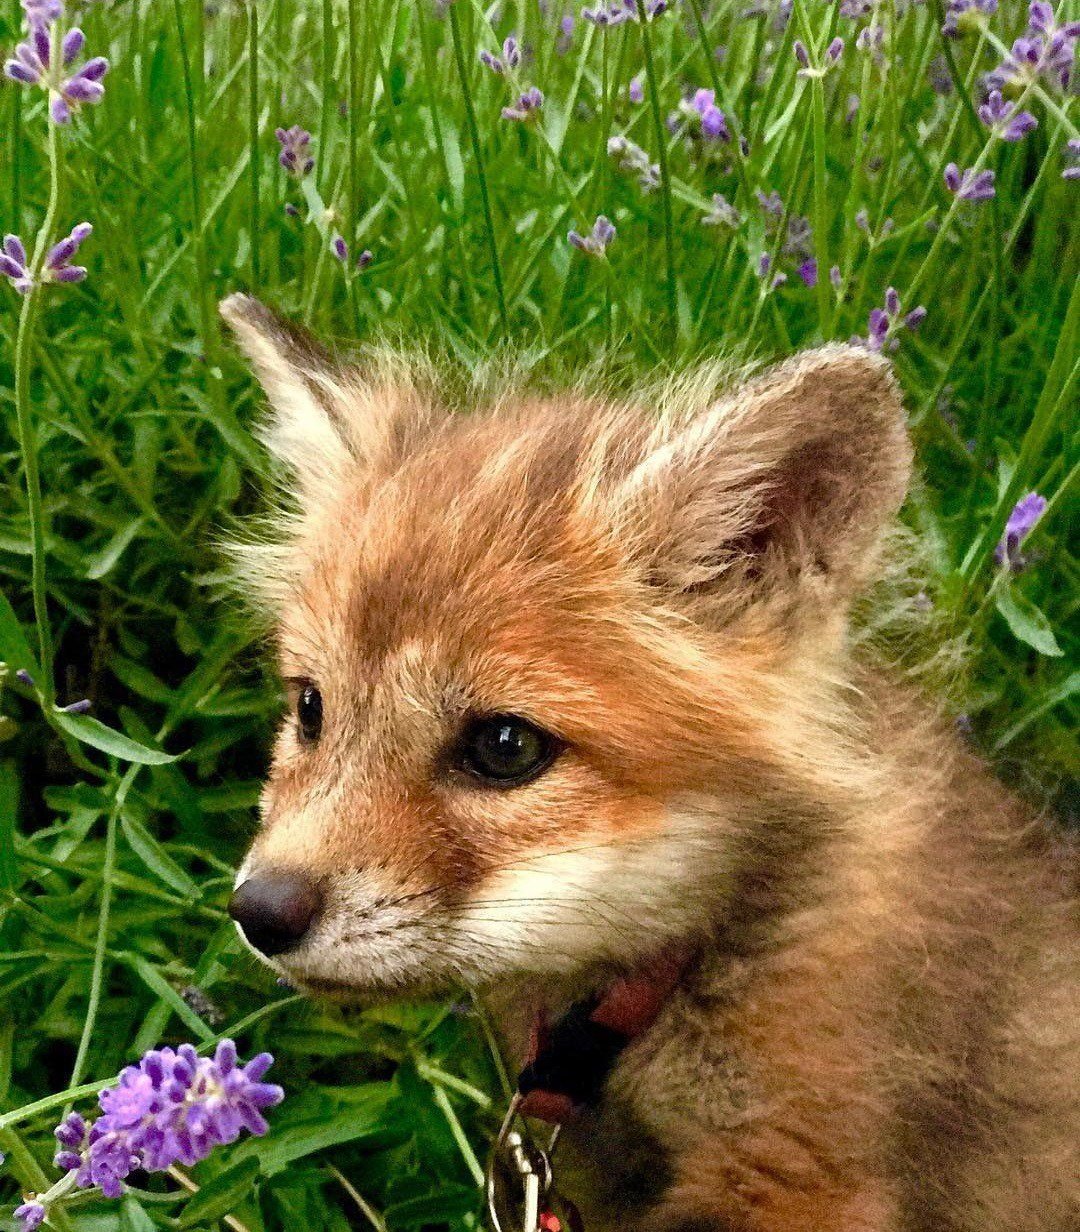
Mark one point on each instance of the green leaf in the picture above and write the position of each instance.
(14, 648)
(9, 797)
(95, 733)
(102, 562)
(1026, 621)
(157, 983)
(133, 1216)
(155, 857)
(450, 1202)
(222, 1195)
(364, 1118)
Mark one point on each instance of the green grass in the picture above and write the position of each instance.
(126, 447)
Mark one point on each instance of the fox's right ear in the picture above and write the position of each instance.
(309, 427)
(321, 421)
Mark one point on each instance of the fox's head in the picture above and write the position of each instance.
(568, 676)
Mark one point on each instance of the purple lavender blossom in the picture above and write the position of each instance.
(527, 105)
(58, 267)
(1021, 522)
(713, 121)
(339, 248)
(41, 12)
(852, 108)
(14, 265)
(34, 64)
(835, 277)
(969, 185)
(597, 241)
(884, 323)
(633, 158)
(603, 16)
(172, 1107)
(1046, 50)
(511, 57)
(855, 10)
(566, 34)
(808, 272)
(722, 213)
(1005, 119)
(770, 202)
(24, 677)
(31, 1215)
(967, 16)
(635, 91)
(1072, 160)
(832, 55)
(295, 154)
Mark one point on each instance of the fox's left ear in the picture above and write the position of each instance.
(781, 491)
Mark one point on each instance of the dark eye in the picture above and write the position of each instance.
(309, 712)
(505, 750)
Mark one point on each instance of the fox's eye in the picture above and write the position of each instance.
(504, 750)
(309, 712)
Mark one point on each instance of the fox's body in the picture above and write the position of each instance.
(877, 1023)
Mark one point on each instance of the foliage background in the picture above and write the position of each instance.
(114, 873)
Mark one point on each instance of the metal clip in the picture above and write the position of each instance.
(516, 1155)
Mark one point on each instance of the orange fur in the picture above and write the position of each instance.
(880, 1028)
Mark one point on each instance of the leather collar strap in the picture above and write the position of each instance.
(569, 1062)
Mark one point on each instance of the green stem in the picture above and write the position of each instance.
(662, 162)
(481, 176)
(253, 139)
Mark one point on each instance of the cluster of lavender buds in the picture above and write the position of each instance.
(526, 106)
(635, 91)
(620, 11)
(340, 249)
(1046, 50)
(295, 154)
(723, 213)
(967, 16)
(885, 322)
(1072, 160)
(709, 120)
(832, 57)
(1021, 522)
(511, 57)
(57, 267)
(634, 159)
(45, 59)
(969, 185)
(597, 241)
(1006, 119)
(174, 1107)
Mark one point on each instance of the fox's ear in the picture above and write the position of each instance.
(308, 428)
(780, 491)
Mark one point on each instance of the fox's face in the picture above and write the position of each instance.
(566, 677)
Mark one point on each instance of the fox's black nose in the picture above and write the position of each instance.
(275, 910)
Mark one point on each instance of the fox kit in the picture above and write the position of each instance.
(578, 721)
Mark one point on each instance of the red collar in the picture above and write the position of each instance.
(569, 1060)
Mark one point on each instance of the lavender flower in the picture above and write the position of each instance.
(1021, 522)
(835, 277)
(566, 34)
(57, 267)
(722, 213)
(1009, 123)
(364, 260)
(855, 10)
(1046, 50)
(295, 154)
(633, 158)
(808, 272)
(527, 105)
(1072, 160)
(969, 185)
(832, 56)
(712, 119)
(885, 322)
(597, 241)
(635, 91)
(604, 16)
(967, 16)
(511, 57)
(41, 12)
(30, 1215)
(34, 64)
(339, 248)
(172, 1107)
(14, 265)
